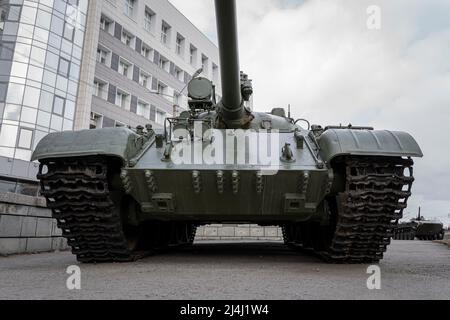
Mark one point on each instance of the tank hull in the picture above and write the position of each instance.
(140, 192)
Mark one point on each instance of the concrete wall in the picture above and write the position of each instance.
(26, 226)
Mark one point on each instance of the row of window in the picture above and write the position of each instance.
(108, 24)
(144, 78)
(123, 99)
(19, 187)
(151, 113)
(104, 57)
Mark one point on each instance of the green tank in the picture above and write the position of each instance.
(119, 194)
(419, 228)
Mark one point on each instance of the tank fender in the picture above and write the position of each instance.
(118, 142)
(338, 142)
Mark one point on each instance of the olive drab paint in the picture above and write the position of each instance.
(118, 192)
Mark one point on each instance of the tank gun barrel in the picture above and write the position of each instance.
(231, 108)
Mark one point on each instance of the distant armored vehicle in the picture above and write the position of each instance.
(119, 193)
(419, 228)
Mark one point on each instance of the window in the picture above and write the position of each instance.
(121, 99)
(160, 117)
(69, 31)
(3, 87)
(149, 20)
(193, 55)
(165, 33)
(124, 68)
(96, 121)
(100, 88)
(63, 67)
(162, 88)
(58, 105)
(27, 189)
(25, 139)
(176, 99)
(205, 64)
(180, 44)
(144, 80)
(129, 8)
(164, 63)
(127, 38)
(2, 18)
(147, 52)
(7, 51)
(10, 13)
(106, 24)
(215, 72)
(102, 56)
(143, 109)
(179, 74)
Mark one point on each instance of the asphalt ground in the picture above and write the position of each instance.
(234, 270)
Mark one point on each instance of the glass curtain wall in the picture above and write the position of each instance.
(41, 45)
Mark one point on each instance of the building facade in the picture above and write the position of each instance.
(145, 53)
(80, 64)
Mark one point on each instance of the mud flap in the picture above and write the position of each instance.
(338, 142)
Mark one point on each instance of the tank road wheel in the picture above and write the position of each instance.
(367, 209)
(89, 211)
(441, 235)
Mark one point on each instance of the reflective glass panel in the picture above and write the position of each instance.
(43, 19)
(25, 137)
(31, 97)
(28, 115)
(46, 102)
(58, 105)
(8, 135)
(12, 112)
(43, 119)
(15, 93)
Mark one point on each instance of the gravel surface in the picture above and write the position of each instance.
(237, 270)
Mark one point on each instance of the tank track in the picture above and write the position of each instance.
(437, 236)
(368, 211)
(78, 194)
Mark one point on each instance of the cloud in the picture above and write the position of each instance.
(320, 57)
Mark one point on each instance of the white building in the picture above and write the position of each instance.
(146, 52)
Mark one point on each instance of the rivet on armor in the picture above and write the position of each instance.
(259, 182)
(151, 181)
(235, 182)
(126, 181)
(220, 182)
(304, 182)
(196, 183)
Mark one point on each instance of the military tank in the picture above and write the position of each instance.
(419, 228)
(119, 194)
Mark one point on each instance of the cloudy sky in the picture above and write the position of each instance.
(320, 57)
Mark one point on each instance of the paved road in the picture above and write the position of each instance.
(411, 270)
